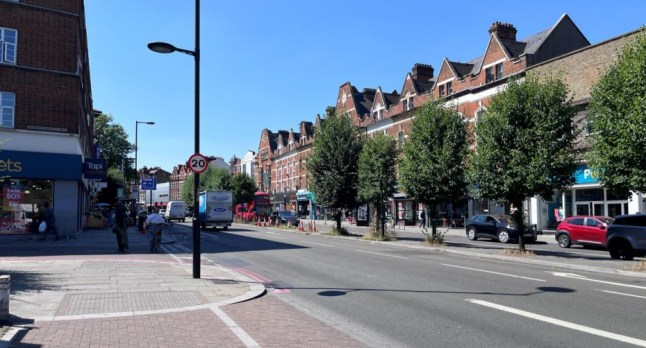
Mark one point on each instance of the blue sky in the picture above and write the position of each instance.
(272, 64)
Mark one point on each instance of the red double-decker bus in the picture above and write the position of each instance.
(260, 207)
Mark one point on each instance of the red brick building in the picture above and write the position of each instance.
(46, 111)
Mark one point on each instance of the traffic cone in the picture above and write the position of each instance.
(258, 222)
(300, 226)
(313, 226)
(309, 226)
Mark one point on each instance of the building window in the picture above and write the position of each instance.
(411, 105)
(449, 88)
(489, 75)
(441, 90)
(7, 109)
(8, 43)
(499, 71)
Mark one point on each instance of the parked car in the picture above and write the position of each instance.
(626, 237)
(286, 217)
(584, 230)
(500, 227)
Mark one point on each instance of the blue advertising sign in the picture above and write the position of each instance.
(149, 183)
(584, 175)
(39, 165)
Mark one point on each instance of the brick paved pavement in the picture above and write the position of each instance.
(81, 293)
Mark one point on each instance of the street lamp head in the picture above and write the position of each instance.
(146, 122)
(162, 47)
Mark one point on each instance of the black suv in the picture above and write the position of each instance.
(626, 237)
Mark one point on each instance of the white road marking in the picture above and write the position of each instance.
(621, 293)
(580, 277)
(380, 254)
(234, 327)
(498, 273)
(562, 323)
(321, 244)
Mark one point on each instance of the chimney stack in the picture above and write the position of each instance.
(422, 72)
(505, 31)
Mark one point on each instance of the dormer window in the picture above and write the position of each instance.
(499, 71)
(441, 90)
(449, 88)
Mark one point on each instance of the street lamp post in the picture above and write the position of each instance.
(136, 149)
(163, 47)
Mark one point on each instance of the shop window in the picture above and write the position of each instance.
(20, 202)
(583, 195)
(613, 196)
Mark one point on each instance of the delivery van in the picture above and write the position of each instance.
(175, 210)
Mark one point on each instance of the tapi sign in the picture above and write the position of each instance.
(95, 168)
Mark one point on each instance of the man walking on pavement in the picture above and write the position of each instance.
(47, 214)
(121, 226)
(422, 218)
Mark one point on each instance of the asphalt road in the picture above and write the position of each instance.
(399, 297)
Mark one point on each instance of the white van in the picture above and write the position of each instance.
(175, 210)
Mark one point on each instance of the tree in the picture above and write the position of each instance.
(524, 145)
(432, 168)
(333, 163)
(377, 174)
(618, 121)
(211, 179)
(112, 139)
(244, 188)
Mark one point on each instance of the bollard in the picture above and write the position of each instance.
(5, 285)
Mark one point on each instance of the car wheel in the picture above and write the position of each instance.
(621, 250)
(563, 240)
(471, 234)
(503, 236)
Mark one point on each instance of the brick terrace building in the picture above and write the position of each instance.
(46, 112)
(468, 87)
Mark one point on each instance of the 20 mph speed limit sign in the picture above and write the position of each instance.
(198, 163)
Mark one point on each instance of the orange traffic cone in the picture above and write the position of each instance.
(313, 226)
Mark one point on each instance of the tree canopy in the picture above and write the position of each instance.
(524, 144)
(432, 168)
(333, 163)
(377, 173)
(112, 139)
(211, 179)
(618, 121)
(244, 188)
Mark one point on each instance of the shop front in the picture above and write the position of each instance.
(306, 205)
(31, 178)
(586, 197)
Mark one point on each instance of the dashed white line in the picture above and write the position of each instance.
(491, 272)
(621, 293)
(562, 323)
(580, 277)
(380, 254)
(321, 244)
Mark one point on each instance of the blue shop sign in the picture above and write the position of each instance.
(584, 175)
(39, 165)
(95, 168)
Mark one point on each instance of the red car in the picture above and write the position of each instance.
(585, 230)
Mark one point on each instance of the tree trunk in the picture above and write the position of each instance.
(380, 211)
(520, 224)
(432, 213)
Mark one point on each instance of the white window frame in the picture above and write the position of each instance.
(9, 108)
(4, 46)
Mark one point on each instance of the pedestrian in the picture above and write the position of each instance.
(422, 218)
(121, 227)
(154, 223)
(46, 214)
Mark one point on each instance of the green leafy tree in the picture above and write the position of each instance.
(211, 179)
(112, 139)
(618, 121)
(333, 164)
(243, 187)
(432, 169)
(377, 174)
(524, 145)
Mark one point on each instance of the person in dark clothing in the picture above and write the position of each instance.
(422, 219)
(121, 227)
(45, 213)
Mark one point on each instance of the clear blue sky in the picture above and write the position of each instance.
(272, 64)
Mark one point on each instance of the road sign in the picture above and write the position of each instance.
(149, 183)
(198, 163)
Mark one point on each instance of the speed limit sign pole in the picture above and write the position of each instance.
(198, 164)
